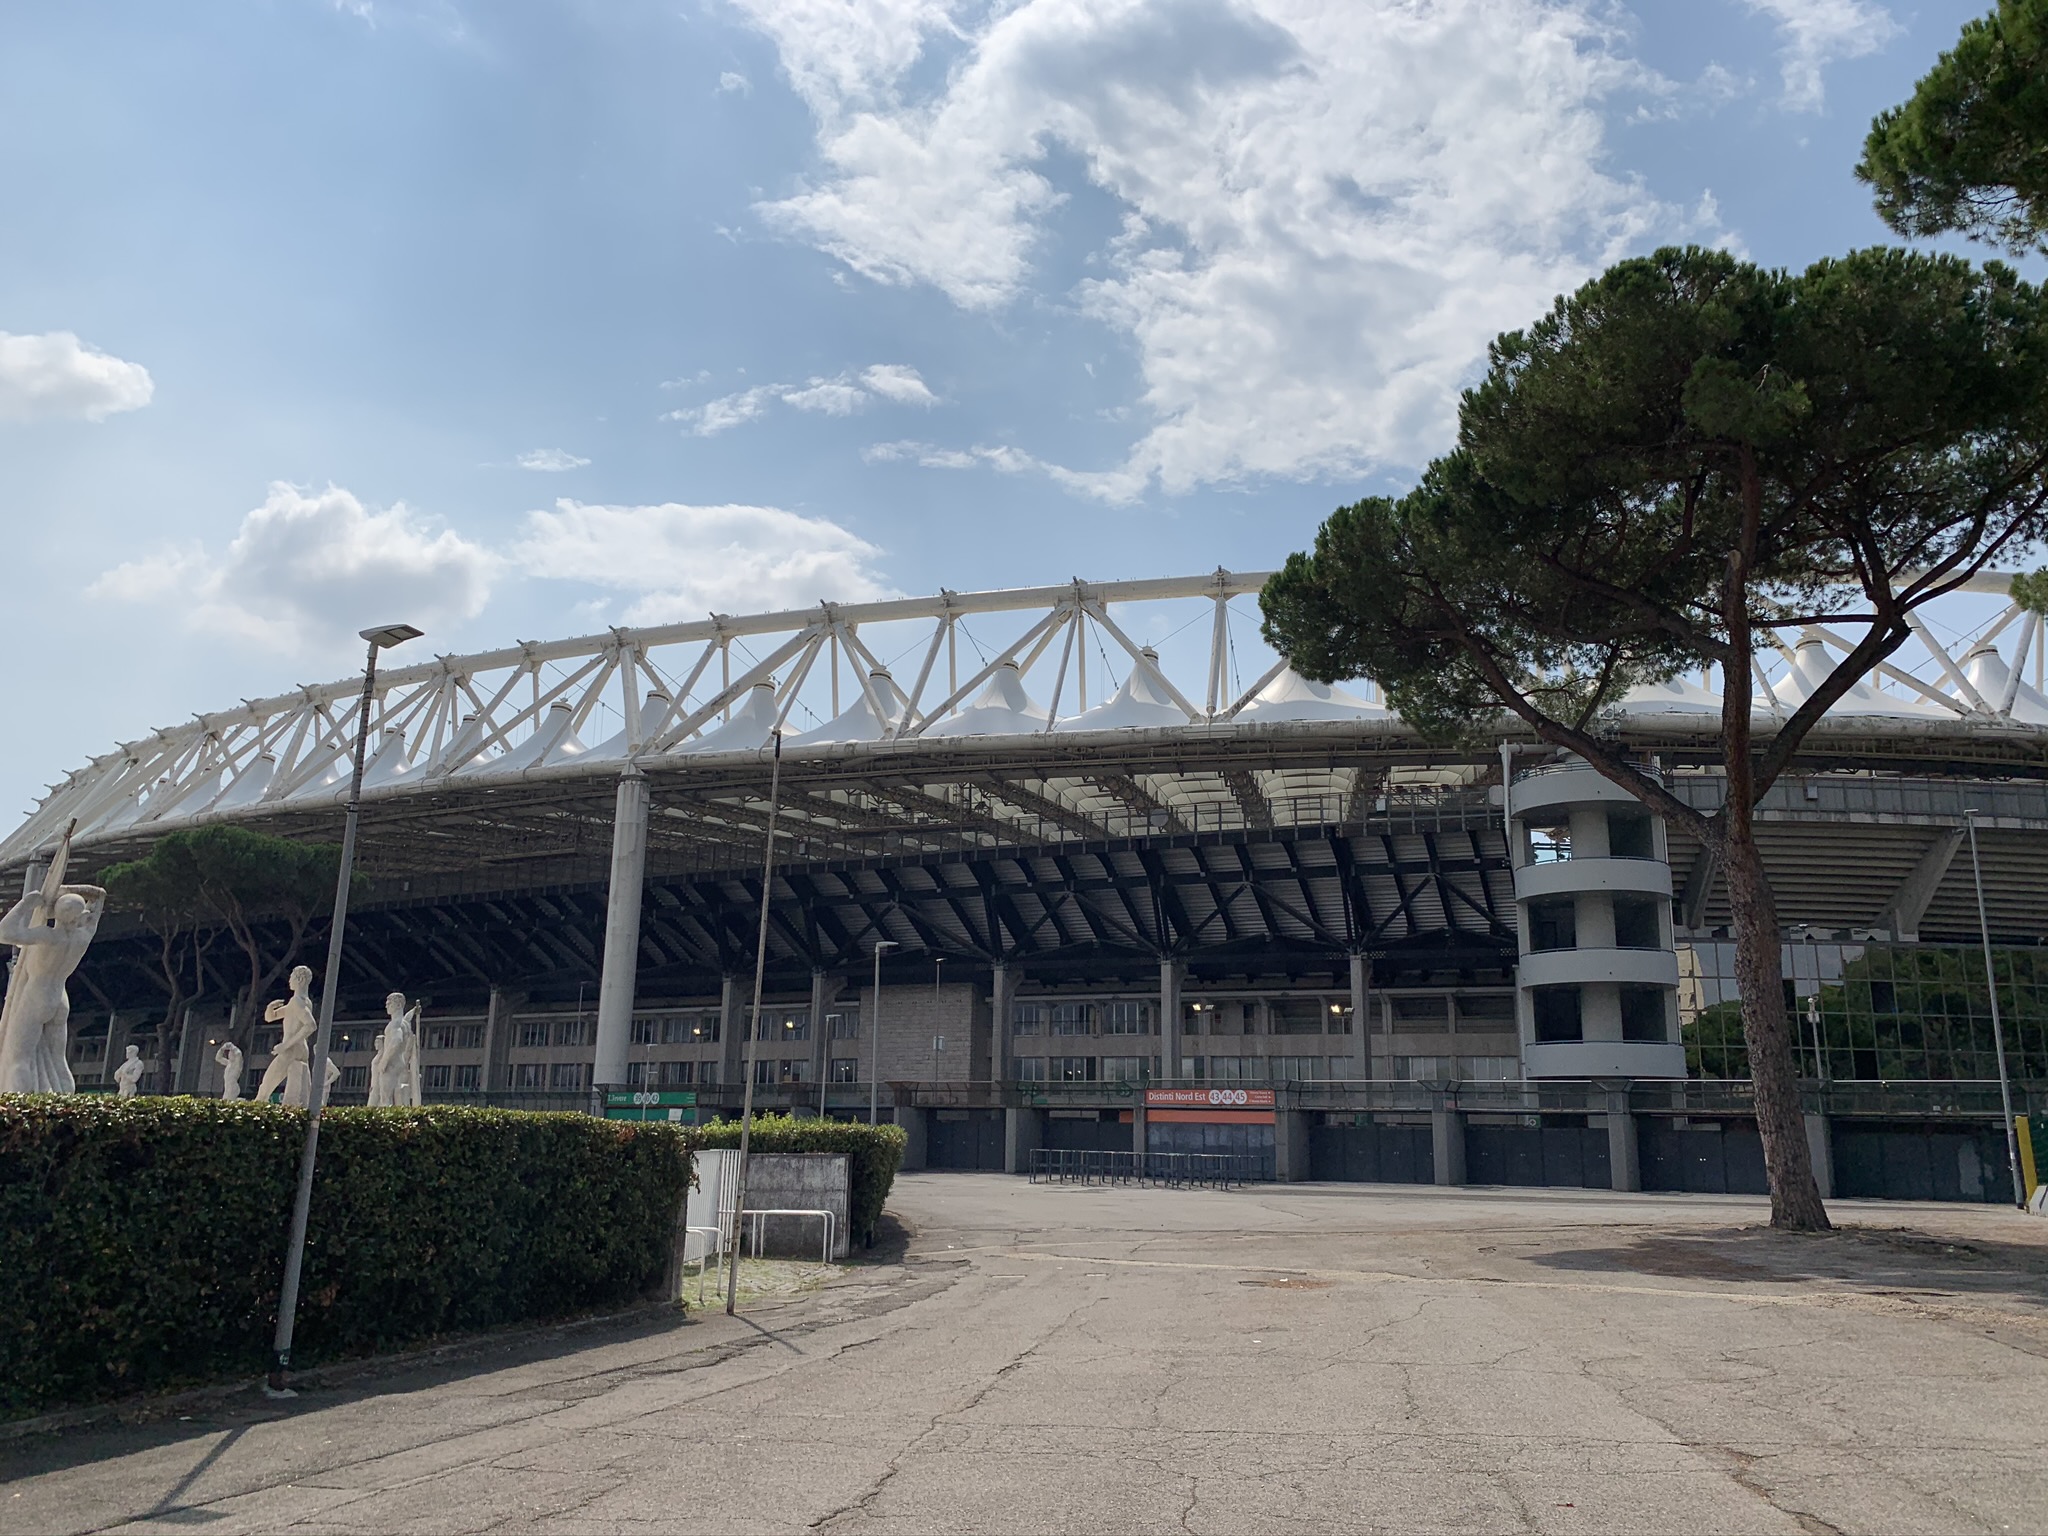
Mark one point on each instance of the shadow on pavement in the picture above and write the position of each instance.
(1877, 1258)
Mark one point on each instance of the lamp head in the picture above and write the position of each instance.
(389, 635)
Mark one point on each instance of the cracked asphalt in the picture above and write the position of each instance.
(1287, 1358)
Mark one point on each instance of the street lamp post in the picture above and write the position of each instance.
(316, 1088)
(739, 1197)
(875, 1037)
(2012, 1150)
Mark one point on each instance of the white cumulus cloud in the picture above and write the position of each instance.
(549, 460)
(1818, 32)
(839, 395)
(1328, 210)
(54, 375)
(675, 561)
(307, 569)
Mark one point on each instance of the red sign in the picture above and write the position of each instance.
(1208, 1098)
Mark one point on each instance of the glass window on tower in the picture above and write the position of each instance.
(1557, 1014)
(1642, 1014)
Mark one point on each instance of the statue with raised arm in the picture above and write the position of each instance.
(50, 929)
(229, 1060)
(291, 1064)
(394, 1071)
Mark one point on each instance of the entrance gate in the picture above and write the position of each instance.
(967, 1140)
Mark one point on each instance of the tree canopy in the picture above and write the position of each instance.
(265, 892)
(1969, 151)
(1683, 457)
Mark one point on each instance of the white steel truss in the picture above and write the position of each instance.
(673, 696)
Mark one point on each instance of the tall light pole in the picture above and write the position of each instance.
(875, 1037)
(316, 1088)
(2012, 1150)
(739, 1194)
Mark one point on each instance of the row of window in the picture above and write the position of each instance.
(1559, 1014)
(1554, 923)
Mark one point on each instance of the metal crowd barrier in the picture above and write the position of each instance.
(1151, 1170)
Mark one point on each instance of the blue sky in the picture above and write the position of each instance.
(523, 319)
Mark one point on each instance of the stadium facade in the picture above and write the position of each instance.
(1124, 886)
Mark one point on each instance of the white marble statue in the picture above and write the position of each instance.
(229, 1059)
(128, 1075)
(291, 1065)
(394, 1072)
(50, 929)
(333, 1077)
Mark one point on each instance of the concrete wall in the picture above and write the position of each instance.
(795, 1181)
(914, 1016)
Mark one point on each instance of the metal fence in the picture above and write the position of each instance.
(1153, 1170)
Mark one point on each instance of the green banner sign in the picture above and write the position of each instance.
(649, 1098)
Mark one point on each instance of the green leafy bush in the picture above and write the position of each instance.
(873, 1152)
(142, 1240)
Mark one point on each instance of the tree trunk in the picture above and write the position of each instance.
(1773, 1068)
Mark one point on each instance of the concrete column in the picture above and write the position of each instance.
(912, 1121)
(1624, 1149)
(1169, 1020)
(190, 1059)
(1003, 997)
(1447, 1143)
(1023, 1134)
(732, 1031)
(1290, 1145)
(821, 995)
(497, 1072)
(621, 931)
(1138, 1137)
(1361, 1016)
(1820, 1148)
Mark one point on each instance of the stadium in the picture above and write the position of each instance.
(1127, 882)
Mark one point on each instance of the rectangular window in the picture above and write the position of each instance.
(1427, 1009)
(1642, 1014)
(1030, 1069)
(1423, 1069)
(690, 1029)
(1297, 1069)
(1237, 1069)
(435, 1079)
(1200, 1017)
(1194, 1068)
(707, 1073)
(1028, 1018)
(636, 1073)
(1070, 1018)
(1550, 845)
(1339, 1018)
(646, 1030)
(678, 1074)
(785, 1024)
(1635, 922)
(568, 1076)
(1127, 1018)
(1073, 1069)
(1629, 836)
(1490, 1069)
(469, 1079)
(845, 1069)
(530, 1076)
(469, 1037)
(455, 1037)
(1295, 1016)
(1487, 1007)
(354, 1077)
(533, 1032)
(572, 1032)
(843, 1023)
(1557, 1014)
(1553, 923)
(441, 1037)
(1126, 1069)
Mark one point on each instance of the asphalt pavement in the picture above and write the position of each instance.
(1294, 1358)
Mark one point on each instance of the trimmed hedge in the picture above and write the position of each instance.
(142, 1240)
(873, 1152)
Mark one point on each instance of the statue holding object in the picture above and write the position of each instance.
(229, 1059)
(50, 929)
